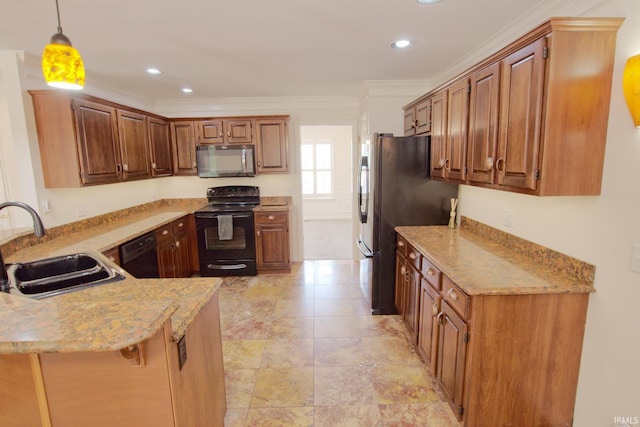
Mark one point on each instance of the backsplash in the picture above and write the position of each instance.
(560, 262)
(14, 244)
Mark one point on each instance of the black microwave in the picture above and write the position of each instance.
(217, 160)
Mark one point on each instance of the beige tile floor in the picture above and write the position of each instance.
(302, 349)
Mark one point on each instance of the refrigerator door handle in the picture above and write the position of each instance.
(364, 249)
(363, 189)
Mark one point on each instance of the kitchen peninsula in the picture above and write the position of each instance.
(133, 352)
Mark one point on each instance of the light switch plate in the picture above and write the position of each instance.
(635, 258)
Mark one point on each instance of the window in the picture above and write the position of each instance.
(317, 167)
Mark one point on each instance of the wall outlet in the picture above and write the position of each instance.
(635, 258)
(507, 218)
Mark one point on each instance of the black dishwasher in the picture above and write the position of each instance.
(139, 257)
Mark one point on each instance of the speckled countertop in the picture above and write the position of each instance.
(274, 204)
(483, 266)
(107, 317)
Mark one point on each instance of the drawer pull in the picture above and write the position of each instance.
(165, 232)
(434, 309)
(431, 272)
(272, 217)
(413, 255)
(403, 270)
(452, 294)
(180, 225)
(439, 318)
(400, 243)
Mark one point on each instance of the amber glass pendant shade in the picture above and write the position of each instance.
(62, 65)
(631, 87)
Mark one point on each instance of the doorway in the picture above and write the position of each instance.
(327, 191)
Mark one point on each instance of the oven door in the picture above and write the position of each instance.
(222, 253)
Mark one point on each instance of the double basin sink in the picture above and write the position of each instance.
(57, 275)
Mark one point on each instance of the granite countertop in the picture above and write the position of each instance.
(274, 204)
(107, 317)
(480, 266)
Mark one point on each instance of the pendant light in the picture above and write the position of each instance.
(61, 63)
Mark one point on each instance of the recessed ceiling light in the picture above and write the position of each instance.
(153, 71)
(187, 90)
(401, 44)
(428, 1)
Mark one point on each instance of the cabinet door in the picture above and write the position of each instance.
(210, 132)
(410, 122)
(457, 119)
(452, 350)
(438, 134)
(423, 117)
(483, 124)
(132, 129)
(412, 300)
(166, 265)
(272, 241)
(271, 144)
(402, 276)
(182, 257)
(97, 141)
(238, 131)
(520, 116)
(184, 148)
(159, 147)
(428, 328)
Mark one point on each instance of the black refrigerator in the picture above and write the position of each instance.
(394, 188)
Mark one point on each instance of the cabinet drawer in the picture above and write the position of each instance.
(271, 217)
(431, 274)
(179, 225)
(457, 299)
(164, 233)
(401, 245)
(414, 257)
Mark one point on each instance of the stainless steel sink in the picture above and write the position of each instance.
(57, 275)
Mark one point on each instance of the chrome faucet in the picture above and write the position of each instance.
(38, 230)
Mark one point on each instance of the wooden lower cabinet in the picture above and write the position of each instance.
(499, 359)
(401, 282)
(272, 241)
(412, 302)
(173, 246)
(108, 389)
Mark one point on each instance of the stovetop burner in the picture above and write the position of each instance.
(231, 198)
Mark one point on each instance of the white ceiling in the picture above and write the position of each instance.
(253, 48)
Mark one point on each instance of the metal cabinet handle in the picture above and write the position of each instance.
(431, 272)
(195, 165)
(271, 217)
(439, 318)
(452, 294)
(177, 244)
(165, 232)
(403, 270)
(258, 233)
(259, 164)
(434, 309)
(125, 167)
(400, 243)
(500, 164)
(153, 166)
(181, 224)
(441, 163)
(413, 255)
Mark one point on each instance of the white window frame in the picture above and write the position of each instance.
(314, 142)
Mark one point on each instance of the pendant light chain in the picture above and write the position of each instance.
(58, 12)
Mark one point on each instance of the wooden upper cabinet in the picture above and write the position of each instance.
(159, 147)
(520, 116)
(183, 137)
(550, 128)
(224, 131)
(456, 140)
(272, 145)
(439, 134)
(134, 150)
(483, 124)
(97, 139)
(417, 119)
